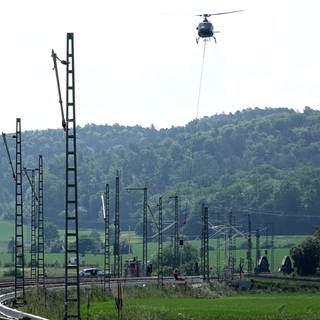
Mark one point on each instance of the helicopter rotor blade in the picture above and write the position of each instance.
(207, 15)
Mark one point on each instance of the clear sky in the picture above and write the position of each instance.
(137, 62)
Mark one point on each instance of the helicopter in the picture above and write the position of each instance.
(205, 28)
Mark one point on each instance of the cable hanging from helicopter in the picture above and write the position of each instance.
(206, 32)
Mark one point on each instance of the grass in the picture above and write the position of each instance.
(55, 261)
(273, 301)
(273, 306)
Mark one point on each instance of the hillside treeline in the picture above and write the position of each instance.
(262, 162)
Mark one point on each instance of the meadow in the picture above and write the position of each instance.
(54, 261)
(243, 306)
(207, 301)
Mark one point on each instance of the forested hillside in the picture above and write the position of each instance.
(264, 162)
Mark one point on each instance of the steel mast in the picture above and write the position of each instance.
(40, 251)
(72, 283)
(19, 292)
(160, 245)
(106, 217)
(116, 248)
(145, 228)
(34, 198)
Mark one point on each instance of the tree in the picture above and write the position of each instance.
(188, 256)
(51, 233)
(306, 256)
(87, 245)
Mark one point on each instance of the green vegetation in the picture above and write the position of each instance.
(55, 261)
(306, 255)
(214, 301)
(263, 162)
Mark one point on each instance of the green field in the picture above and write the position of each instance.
(55, 261)
(242, 306)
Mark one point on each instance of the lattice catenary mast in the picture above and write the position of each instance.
(72, 285)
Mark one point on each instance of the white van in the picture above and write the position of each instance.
(90, 272)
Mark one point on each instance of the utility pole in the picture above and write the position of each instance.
(258, 252)
(160, 245)
(145, 228)
(40, 258)
(218, 256)
(72, 283)
(249, 252)
(230, 243)
(19, 292)
(272, 247)
(34, 198)
(205, 244)
(176, 232)
(106, 217)
(116, 249)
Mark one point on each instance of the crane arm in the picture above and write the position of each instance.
(55, 68)
(10, 161)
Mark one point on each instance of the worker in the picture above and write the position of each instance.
(176, 275)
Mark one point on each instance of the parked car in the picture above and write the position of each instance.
(93, 272)
(90, 272)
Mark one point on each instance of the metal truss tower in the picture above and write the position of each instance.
(116, 249)
(205, 244)
(19, 293)
(272, 247)
(249, 252)
(33, 260)
(258, 252)
(106, 216)
(176, 232)
(231, 257)
(145, 228)
(218, 256)
(19, 296)
(72, 285)
(40, 251)
(145, 232)
(160, 245)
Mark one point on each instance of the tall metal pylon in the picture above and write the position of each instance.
(72, 285)
(218, 256)
(33, 260)
(231, 257)
(19, 298)
(19, 292)
(249, 252)
(176, 232)
(205, 244)
(272, 247)
(40, 247)
(160, 245)
(106, 217)
(144, 227)
(258, 252)
(116, 248)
